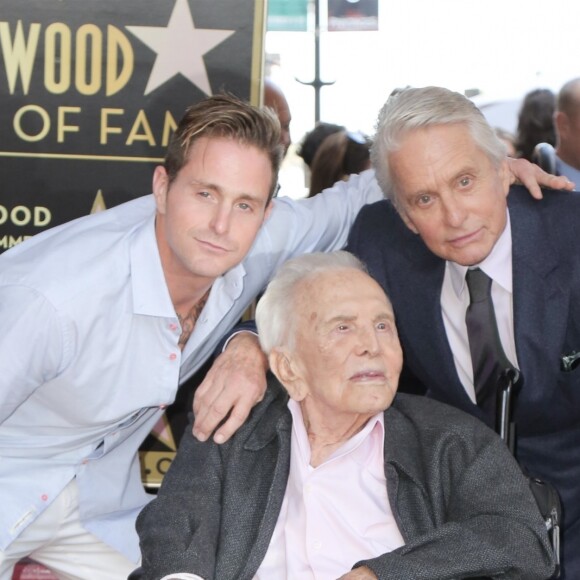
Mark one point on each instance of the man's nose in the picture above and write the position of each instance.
(221, 219)
(368, 341)
(454, 211)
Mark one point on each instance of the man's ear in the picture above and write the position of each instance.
(561, 122)
(160, 188)
(284, 368)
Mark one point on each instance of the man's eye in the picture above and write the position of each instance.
(342, 327)
(382, 326)
(423, 199)
(245, 206)
(464, 181)
(203, 193)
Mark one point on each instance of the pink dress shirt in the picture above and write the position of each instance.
(335, 514)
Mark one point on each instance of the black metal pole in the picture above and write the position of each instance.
(317, 83)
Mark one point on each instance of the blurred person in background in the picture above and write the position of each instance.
(340, 155)
(567, 119)
(274, 99)
(313, 139)
(535, 122)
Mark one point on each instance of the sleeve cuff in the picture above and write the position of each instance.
(225, 345)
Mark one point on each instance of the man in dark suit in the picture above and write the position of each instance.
(444, 173)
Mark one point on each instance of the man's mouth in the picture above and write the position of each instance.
(465, 239)
(213, 246)
(367, 375)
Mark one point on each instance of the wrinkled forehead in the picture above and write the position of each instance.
(345, 291)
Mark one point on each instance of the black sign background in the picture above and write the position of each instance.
(46, 180)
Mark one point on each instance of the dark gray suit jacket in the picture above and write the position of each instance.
(546, 283)
(459, 498)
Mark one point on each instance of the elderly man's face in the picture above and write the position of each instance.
(348, 357)
(450, 193)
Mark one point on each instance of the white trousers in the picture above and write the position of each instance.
(57, 540)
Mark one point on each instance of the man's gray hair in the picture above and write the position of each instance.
(275, 313)
(417, 108)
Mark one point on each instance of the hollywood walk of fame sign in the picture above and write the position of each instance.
(92, 90)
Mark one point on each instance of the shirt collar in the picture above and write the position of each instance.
(150, 292)
(497, 265)
(375, 427)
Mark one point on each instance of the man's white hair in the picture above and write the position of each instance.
(275, 313)
(419, 108)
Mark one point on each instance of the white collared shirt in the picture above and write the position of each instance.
(455, 300)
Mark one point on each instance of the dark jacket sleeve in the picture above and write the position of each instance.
(484, 521)
(246, 326)
(179, 529)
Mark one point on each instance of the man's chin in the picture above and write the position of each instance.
(211, 270)
(469, 257)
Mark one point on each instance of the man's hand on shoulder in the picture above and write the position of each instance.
(533, 177)
(234, 384)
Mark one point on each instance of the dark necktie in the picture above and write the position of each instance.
(487, 355)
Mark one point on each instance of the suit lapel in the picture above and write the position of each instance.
(418, 306)
(280, 426)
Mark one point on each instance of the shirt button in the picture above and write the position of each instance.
(163, 406)
(173, 326)
(172, 356)
(85, 461)
(44, 497)
(317, 544)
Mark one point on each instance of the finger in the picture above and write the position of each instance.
(561, 182)
(205, 402)
(533, 187)
(205, 394)
(212, 415)
(236, 419)
(238, 400)
(211, 387)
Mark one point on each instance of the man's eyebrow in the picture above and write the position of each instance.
(206, 185)
(465, 170)
(341, 318)
(388, 316)
(251, 197)
(350, 317)
(219, 189)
